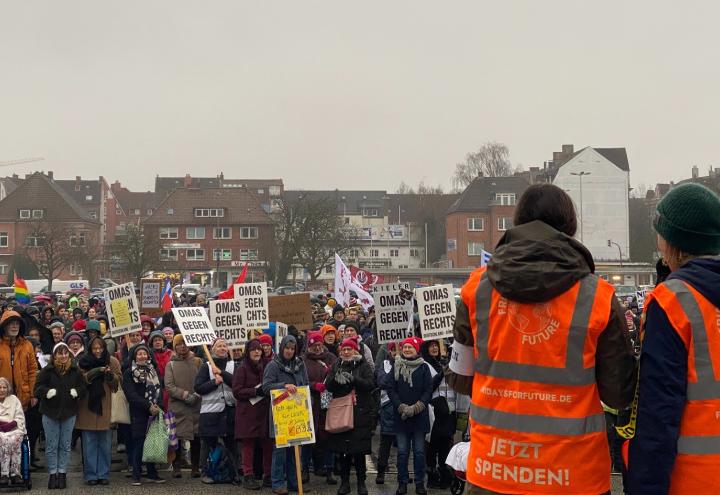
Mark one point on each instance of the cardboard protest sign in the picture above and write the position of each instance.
(254, 302)
(292, 417)
(122, 309)
(393, 311)
(281, 330)
(640, 295)
(293, 309)
(436, 307)
(194, 325)
(150, 292)
(226, 319)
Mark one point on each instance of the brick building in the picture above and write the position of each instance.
(210, 233)
(480, 217)
(95, 197)
(38, 203)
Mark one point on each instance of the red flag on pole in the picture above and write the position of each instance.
(230, 291)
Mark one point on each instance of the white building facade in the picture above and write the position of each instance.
(598, 181)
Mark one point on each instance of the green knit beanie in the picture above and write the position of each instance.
(688, 218)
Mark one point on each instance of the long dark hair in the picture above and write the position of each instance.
(549, 204)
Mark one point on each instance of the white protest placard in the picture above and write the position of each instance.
(393, 312)
(254, 302)
(436, 308)
(122, 309)
(281, 330)
(194, 325)
(226, 318)
(640, 295)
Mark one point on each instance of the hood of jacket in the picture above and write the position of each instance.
(704, 275)
(534, 263)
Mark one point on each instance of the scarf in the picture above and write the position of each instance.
(404, 368)
(62, 368)
(292, 366)
(145, 373)
(95, 376)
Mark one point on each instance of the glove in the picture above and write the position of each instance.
(73, 393)
(51, 393)
(403, 410)
(319, 387)
(259, 392)
(192, 399)
(344, 378)
(417, 408)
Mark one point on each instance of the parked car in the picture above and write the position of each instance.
(189, 289)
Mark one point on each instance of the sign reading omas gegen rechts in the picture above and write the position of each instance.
(436, 307)
(122, 309)
(226, 316)
(254, 303)
(393, 311)
(194, 325)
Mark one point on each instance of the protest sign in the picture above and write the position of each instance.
(194, 325)
(640, 295)
(226, 319)
(293, 309)
(122, 309)
(254, 303)
(436, 307)
(393, 311)
(150, 294)
(281, 330)
(292, 417)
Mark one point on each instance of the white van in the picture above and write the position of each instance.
(67, 286)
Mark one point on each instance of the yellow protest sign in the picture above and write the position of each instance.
(292, 417)
(120, 312)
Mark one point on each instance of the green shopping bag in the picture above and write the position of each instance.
(155, 448)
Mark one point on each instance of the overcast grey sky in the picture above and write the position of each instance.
(355, 95)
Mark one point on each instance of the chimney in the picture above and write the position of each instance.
(50, 174)
(568, 149)
(188, 181)
(695, 172)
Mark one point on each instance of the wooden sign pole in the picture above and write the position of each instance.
(298, 469)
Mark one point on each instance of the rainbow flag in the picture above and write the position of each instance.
(22, 295)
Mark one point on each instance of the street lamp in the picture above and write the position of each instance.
(582, 223)
(610, 244)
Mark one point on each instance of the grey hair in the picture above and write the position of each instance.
(6, 382)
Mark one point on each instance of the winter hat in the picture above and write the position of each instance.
(390, 346)
(77, 311)
(155, 334)
(350, 343)
(147, 319)
(265, 339)
(92, 325)
(328, 328)
(57, 324)
(177, 340)
(337, 309)
(58, 346)
(353, 325)
(134, 349)
(413, 341)
(688, 218)
(253, 345)
(8, 316)
(314, 338)
(73, 336)
(215, 342)
(79, 325)
(168, 331)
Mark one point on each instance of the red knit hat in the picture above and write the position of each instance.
(314, 338)
(79, 325)
(413, 341)
(352, 342)
(265, 339)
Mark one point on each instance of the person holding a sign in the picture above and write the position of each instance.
(351, 374)
(217, 409)
(286, 371)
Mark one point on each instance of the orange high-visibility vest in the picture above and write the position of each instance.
(697, 321)
(537, 424)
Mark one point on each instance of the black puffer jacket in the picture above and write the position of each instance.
(535, 263)
(63, 405)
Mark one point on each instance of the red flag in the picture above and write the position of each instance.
(166, 298)
(229, 293)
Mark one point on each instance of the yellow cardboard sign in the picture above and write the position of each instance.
(121, 312)
(292, 417)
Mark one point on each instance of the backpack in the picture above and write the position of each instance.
(220, 465)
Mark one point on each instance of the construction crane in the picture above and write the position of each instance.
(21, 161)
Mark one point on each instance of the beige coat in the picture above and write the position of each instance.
(11, 410)
(180, 378)
(88, 420)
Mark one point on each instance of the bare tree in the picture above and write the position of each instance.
(137, 252)
(491, 160)
(48, 245)
(421, 188)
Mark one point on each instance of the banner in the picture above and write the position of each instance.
(122, 309)
(364, 278)
(344, 284)
(226, 319)
(293, 309)
(292, 417)
(254, 302)
(393, 312)
(436, 308)
(194, 326)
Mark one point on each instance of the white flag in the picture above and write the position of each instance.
(344, 284)
(485, 257)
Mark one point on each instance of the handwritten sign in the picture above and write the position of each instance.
(122, 308)
(150, 290)
(292, 417)
(293, 309)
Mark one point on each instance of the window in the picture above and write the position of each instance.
(75, 269)
(4, 269)
(195, 254)
(374, 253)
(354, 253)
(24, 213)
(504, 223)
(347, 220)
(209, 212)
(171, 211)
(118, 211)
(261, 191)
(248, 254)
(222, 254)
(195, 233)
(38, 213)
(168, 233)
(77, 187)
(4, 242)
(274, 190)
(149, 212)
(222, 233)
(506, 199)
(92, 214)
(34, 241)
(168, 255)
(248, 232)
(414, 253)
(370, 212)
(476, 224)
(329, 269)
(475, 248)
(136, 211)
(88, 197)
(78, 239)
(394, 253)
